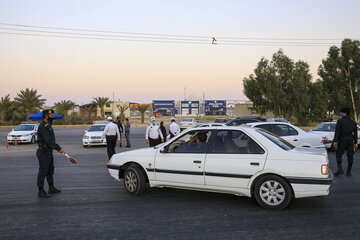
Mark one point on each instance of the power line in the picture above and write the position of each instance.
(90, 34)
(171, 35)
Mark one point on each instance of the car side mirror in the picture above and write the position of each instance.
(12, 129)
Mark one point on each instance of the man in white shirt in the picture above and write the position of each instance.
(174, 128)
(153, 134)
(111, 132)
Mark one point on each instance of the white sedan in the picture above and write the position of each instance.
(92, 137)
(327, 131)
(240, 160)
(24, 133)
(187, 123)
(294, 135)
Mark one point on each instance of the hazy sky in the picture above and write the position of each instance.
(80, 69)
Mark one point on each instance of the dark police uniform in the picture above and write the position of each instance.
(346, 136)
(46, 142)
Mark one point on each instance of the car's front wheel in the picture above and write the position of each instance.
(272, 192)
(134, 180)
(33, 140)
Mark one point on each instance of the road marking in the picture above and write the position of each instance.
(89, 188)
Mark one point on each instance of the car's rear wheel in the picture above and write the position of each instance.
(33, 140)
(134, 180)
(272, 192)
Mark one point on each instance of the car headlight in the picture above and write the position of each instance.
(26, 135)
(86, 137)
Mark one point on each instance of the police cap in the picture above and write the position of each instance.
(47, 112)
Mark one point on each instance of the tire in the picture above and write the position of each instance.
(134, 180)
(272, 192)
(32, 141)
(85, 146)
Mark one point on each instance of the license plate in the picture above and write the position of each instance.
(96, 141)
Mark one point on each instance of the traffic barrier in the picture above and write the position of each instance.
(15, 141)
(7, 144)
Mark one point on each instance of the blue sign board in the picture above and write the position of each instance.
(215, 107)
(164, 107)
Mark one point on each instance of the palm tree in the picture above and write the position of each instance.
(91, 109)
(64, 106)
(29, 99)
(142, 109)
(100, 102)
(122, 109)
(5, 103)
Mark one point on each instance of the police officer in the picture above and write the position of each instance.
(174, 128)
(153, 134)
(46, 143)
(121, 129)
(111, 132)
(127, 132)
(345, 139)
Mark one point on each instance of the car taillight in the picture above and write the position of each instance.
(325, 169)
(190, 123)
(322, 141)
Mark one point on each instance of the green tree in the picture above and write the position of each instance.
(63, 107)
(340, 73)
(280, 86)
(29, 99)
(142, 109)
(318, 101)
(122, 109)
(101, 102)
(5, 103)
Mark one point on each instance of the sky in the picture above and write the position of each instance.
(80, 69)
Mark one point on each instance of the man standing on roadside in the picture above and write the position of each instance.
(46, 143)
(153, 134)
(111, 132)
(127, 132)
(174, 128)
(345, 139)
(120, 126)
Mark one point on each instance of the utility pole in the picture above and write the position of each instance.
(184, 93)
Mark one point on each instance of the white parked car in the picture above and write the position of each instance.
(277, 120)
(294, 135)
(327, 132)
(240, 160)
(25, 133)
(187, 123)
(92, 137)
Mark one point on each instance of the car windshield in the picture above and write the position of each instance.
(325, 127)
(24, 128)
(275, 139)
(220, 120)
(187, 120)
(97, 128)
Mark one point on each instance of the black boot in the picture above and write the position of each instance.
(53, 190)
(42, 194)
(339, 171)
(348, 171)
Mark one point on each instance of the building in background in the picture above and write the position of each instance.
(84, 110)
(163, 107)
(230, 106)
(190, 108)
(215, 107)
(247, 109)
(111, 109)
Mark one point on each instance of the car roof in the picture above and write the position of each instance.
(273, 123)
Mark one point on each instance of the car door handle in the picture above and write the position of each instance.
(197, 161)
(295, 140)
(254, 164)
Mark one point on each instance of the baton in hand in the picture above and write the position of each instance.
(72, 160)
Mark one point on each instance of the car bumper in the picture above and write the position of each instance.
(26, 139)
(89, 142)
(114, 171)
(311, 187)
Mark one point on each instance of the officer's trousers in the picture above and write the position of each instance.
(111, 143)
(46, 168)
(348, 145)
(127, 136)
(153, 142)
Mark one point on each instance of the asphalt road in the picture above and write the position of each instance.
(93, 205)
